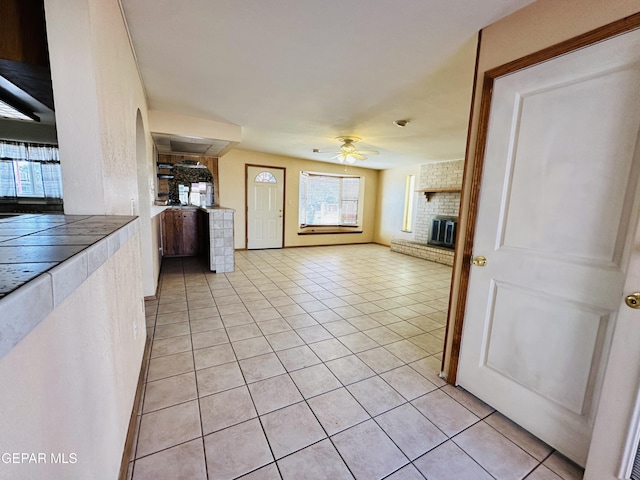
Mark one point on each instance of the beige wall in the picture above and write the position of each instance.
(390, 204)
(68, 386)
(231, 168)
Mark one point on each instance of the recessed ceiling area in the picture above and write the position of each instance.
(181, 145)
(297, 74)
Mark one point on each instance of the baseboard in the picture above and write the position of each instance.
(328, 245)
(155, 295)
(131, 432)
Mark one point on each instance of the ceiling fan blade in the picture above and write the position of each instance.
(368, 152)
(358, 156)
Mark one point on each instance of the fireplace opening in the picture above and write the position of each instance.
(443, 232)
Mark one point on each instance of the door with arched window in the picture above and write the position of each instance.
(265, 207)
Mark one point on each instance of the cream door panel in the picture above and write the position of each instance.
(265, 206)
(558, 188)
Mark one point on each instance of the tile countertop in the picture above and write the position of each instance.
(213, 208)
(158, 209)
(45, 257)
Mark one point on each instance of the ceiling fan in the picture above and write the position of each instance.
(349, 153)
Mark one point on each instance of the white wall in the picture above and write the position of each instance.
(231, 168)
(390, 204)
(68, 386)
(175, 124)
(98, 93)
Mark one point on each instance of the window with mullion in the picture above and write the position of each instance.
(29, 170)
(328, 200)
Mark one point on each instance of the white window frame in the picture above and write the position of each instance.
(407, 217)
(22, 162)
(302, 209)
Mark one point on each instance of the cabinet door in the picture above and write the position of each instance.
(171, 232)
(189, 233)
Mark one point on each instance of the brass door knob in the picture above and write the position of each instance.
(479, 261)
(633, 300)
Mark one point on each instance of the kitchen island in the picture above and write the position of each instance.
(217, 234)
(210, 234)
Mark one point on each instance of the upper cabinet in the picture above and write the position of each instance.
(170, 176)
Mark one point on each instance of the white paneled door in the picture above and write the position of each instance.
(557, 214)
(265, 207)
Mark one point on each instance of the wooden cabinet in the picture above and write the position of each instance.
(180, 232)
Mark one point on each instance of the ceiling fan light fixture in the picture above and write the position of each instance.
(347, 158)
(348, 148)
(345, 139)
(348, 152)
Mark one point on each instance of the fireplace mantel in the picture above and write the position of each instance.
(430, 191)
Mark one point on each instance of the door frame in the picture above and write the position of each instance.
(246, 199)
(472, 176)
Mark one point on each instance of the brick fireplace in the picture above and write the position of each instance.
(434, 176)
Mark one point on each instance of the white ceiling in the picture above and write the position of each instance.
(295, 74)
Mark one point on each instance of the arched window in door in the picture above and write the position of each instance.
(265, 177)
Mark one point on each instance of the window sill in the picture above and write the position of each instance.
(328, 229)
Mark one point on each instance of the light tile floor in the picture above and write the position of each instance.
(316, 363)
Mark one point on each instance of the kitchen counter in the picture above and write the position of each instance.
(44, 258)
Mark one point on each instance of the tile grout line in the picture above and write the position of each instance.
(324, 362)
(264, 433)
(195, 376)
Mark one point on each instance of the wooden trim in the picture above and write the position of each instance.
(246, 199)
(450, 376)
(430, 191)
(599, 34)
(284, 202)
(440, 190)
(246, 205)
(137, 407)
(156, 294)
